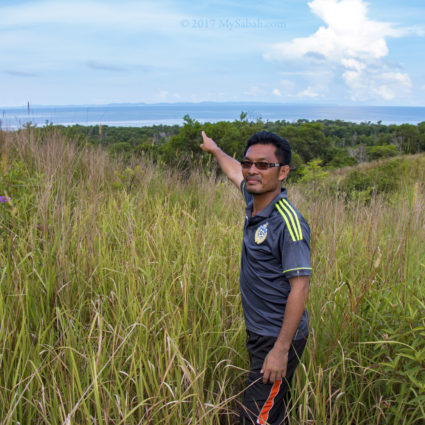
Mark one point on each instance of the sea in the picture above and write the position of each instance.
(142, 114)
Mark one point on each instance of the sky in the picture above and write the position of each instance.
(345, 52)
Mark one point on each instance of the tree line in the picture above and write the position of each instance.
(330, 143)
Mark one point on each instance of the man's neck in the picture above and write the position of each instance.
(262, 200)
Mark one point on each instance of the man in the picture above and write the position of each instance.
(274, 278)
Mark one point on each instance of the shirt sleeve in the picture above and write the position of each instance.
(247, 196)
(295, 245)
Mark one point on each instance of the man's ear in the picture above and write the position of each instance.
(283, 172)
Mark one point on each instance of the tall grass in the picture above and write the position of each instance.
(119, 297)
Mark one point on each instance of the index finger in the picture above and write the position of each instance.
(266, 376)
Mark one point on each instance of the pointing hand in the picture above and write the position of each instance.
(208, 144)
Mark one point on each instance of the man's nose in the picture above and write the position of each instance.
(253, 168)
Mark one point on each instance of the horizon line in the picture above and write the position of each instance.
(232, 102)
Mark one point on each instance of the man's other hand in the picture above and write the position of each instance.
(274, 366)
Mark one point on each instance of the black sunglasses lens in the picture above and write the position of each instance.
(258, 165)
(246, 164)
(262, 165)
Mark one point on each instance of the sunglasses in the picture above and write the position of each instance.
(259, 165)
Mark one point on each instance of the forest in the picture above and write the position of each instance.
(330, 144)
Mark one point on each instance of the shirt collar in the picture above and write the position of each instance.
(267, 211)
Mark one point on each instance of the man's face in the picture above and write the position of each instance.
(263, 181)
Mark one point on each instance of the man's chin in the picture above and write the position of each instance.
(253, 190)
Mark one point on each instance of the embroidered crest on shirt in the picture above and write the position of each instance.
(261, 234)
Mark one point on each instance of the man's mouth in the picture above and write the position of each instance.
(253, 180)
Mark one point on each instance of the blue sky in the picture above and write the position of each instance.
(56, 52)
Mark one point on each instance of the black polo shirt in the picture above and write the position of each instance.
(276, 247)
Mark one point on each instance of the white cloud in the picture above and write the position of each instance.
(349, 33)
(365, 83)
(353, 64)
(308, 92)
(285, 88)
(312, 92)
(353, 46)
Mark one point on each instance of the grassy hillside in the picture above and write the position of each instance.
(119, 298)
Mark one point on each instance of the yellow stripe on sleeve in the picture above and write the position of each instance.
(288, 225)
(288, 212)
(297, 268)
(300, 233)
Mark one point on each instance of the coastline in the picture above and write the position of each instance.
(140, 115)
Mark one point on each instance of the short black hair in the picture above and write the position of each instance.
(283, 149)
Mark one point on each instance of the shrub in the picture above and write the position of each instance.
(386, 151)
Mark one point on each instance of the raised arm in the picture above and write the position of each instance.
(230, 166)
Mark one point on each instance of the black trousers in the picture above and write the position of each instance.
(267, 403)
